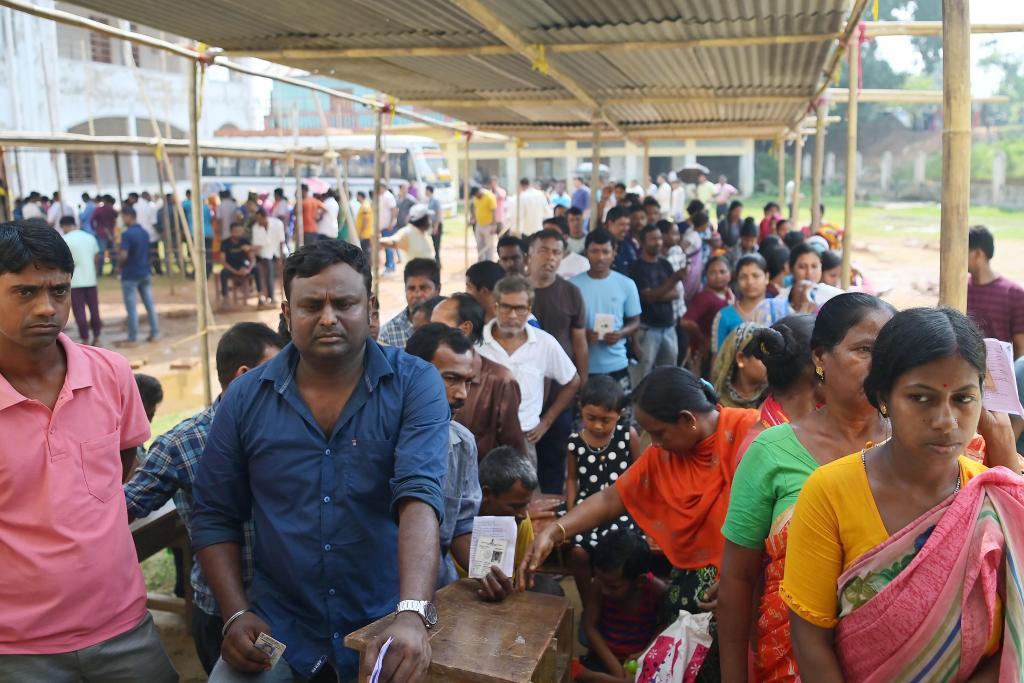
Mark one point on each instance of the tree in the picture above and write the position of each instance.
(1012, 82)
(928, 47)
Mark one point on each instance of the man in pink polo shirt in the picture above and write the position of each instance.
(72, 599)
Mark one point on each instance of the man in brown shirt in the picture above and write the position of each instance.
(491, 410)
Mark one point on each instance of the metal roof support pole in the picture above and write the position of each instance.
(956, 153)
(819, 166)
(780, 153)
(645, 172)
(851, 162)
(198, 228)
(595, 177)
(798, 167)
(378, 156)
(300, 219)
(465, 193)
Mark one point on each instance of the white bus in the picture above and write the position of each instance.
(418, 160)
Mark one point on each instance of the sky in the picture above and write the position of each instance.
(898, 50)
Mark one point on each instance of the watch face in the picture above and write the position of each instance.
(430, 613)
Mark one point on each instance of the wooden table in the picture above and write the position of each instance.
(527, 638)
(161, 529)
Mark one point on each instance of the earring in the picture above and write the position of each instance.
(820, 372)
(693, 427)
(740, 365)
(884, 410)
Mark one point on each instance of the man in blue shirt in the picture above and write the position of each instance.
(612, 303)
(85, 217)
(617, 223)
(169, 470)
(335, 449)
(133, 260)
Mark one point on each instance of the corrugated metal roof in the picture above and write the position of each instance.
(607, 75)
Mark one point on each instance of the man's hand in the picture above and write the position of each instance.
(408, 656)
(495, 587)
(238, 649)
(538, 432)
(612, 337)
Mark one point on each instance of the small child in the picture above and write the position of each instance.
(622, 617)
(598, 455)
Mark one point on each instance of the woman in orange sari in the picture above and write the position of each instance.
(771, 475)
(677, 491)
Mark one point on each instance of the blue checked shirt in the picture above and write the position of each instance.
(325, 505)
(169, 470)
(396, 332)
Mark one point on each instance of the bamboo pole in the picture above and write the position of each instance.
(51, 115)
(88, 116)
(519, 189)
(798, 166)
(165, 210)
(336, 161)
(465, 192)
(300, 228)
(645, 173)
(956, 153)
(780, 152)
(378, 156)
(595, 177)
(199, 253)
(851, 163)
(904, 96)
(819, 167)
(875, 29)
(117, 174)
(719, 97)
(307, 54)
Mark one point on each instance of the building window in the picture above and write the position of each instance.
(135, 47)
(80, 167)
(100, 45)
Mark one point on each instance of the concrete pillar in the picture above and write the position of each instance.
(746, 179)
(570, 164)
(806, 165)
(920, 160)
(860, 165)
(998, 176)
(830, 167)
(885, 171)
(633, 161)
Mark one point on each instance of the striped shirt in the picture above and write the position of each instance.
(997, 308)
(628, 629)
(169, 470)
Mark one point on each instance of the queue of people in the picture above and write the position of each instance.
(815, 467)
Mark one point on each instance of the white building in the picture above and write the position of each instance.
(57, 78)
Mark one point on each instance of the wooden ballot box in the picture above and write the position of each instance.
(525, 639)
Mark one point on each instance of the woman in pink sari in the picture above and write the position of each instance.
(903, 560)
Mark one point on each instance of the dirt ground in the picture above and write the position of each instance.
(904, 266)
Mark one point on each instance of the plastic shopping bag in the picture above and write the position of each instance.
(677, 655)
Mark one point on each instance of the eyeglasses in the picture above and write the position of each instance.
(518, 310)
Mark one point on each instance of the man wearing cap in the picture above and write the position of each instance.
(414, 239)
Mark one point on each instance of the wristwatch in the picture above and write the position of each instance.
(424, 608)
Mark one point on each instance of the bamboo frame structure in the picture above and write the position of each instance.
(645, 172)
(956, 153)
(780, 152)
(490, 102)
(199, 237)
(904, 96)
(851, 164)
(466, 186)
(519, 189)
(876, 29)
(819, 166)
(798, 166)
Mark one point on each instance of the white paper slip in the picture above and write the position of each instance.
(1000, 383)
(272, 648)
(493, 543)
(603, 324)
(375, 674)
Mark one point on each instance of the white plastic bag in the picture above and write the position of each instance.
(678, 653)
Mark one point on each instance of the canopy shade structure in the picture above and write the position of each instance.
(635, 68)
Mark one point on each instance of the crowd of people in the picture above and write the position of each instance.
(731, 432)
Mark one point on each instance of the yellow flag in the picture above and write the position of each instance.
(874, 10)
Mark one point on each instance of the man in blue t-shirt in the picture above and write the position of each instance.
(612, 303)
(133, 262)
(186, 206)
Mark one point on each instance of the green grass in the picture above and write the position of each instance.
(158, 571)
(921, 220)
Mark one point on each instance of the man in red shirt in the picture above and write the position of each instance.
(995, 303)
(103, 219)
(312, 210)
(72, 598)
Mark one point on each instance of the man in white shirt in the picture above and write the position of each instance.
(705, 190)
(532, 355)
(58, 209)
(527, 210)
(664, 195)
(31, 208)
(387, 206)
(635, 188)
(268, 238)
(327, 224)
(86, 252)
(678, 201)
